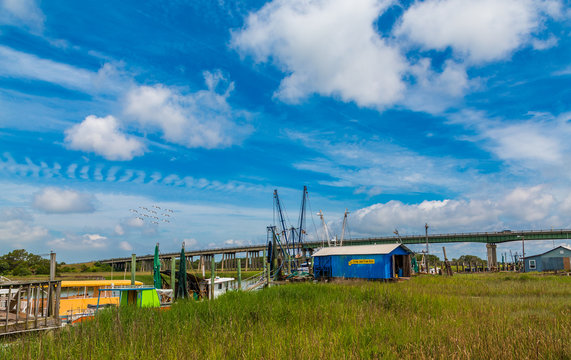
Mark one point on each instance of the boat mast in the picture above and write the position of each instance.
(343, 229)
(324, 227)
(282, 220)
(302, 219)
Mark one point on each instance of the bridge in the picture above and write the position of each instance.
(253, 259)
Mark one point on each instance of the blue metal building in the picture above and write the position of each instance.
(384, 261)
(555, 259)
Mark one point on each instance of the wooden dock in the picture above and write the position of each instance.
(29, 306)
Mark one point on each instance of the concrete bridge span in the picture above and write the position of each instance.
(252, 254)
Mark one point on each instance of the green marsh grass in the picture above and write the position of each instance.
(473, 316)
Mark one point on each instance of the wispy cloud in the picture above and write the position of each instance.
(85, 241)
(119, 174)
(24, 13)
(376, 166)
(17, 228)
(20, 65)
(537, 142)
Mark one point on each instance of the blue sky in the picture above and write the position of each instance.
(451, 112)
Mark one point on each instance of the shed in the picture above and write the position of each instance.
(384, 261)
(552, 260)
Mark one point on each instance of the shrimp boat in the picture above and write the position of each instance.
(81, 298)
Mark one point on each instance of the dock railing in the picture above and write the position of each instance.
(29, 306)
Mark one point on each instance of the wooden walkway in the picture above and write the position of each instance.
(29, 306)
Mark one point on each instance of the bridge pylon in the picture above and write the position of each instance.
(492, 257)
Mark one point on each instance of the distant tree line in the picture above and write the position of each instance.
(22, 263)
(462, 259)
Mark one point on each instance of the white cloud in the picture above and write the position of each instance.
(529, 204)
(521, 208)
(17, 64)
(326, 47)
(85, 241)
(62, 201)
(190, 243)
(538, 142)
(103, 137)
(17, 228)
(135, 222)
(482, 30)
(22, 12)
(233, 242)
(434, 92)
(374, 167)
(200, 119)
(544, 44)
(123, 245)
(119, 230)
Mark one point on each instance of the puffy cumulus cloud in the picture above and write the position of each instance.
(522, 207)
(22, 13)
(85, 241)
(447, 214)
(102, 136)
(530, 204)
(483, 30)
(17, 228)
(63, 201)
(200, 119)
(326, 47)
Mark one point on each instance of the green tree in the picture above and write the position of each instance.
(431, 258)
(470, 259)
(19, 262)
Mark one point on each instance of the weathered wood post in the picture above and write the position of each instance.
(239, 274)
(212, 277)
(173, 273)
(133, 268)
(266, 269)
(52, 266)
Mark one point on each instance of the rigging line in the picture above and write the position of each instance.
(348, 228)
(312, 219)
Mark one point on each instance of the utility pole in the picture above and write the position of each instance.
(523, 252)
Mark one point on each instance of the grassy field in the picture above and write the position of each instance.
(144, 277)
(473, 316)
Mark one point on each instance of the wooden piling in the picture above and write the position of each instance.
(239, 274)
(133, 268)
(212, 277)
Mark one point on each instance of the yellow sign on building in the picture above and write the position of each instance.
(361, 261)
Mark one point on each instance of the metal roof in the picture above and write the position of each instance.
(548, 251)
(358, 250)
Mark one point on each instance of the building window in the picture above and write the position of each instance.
(561, 251)
(532, 264)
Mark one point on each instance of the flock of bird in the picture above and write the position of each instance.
(155, 215)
